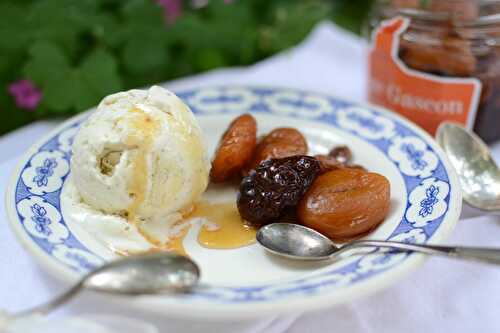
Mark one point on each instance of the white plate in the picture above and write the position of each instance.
(246, 282)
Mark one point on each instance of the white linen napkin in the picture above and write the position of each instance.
(443, 295)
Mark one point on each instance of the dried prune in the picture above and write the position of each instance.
(342, 154)
(235, 150)
(275, 186)
(345, 203)
(279, 143)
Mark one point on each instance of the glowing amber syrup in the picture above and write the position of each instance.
(223, 228)
(175, 244)
(144, 130)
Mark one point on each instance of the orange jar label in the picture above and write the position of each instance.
(426, 99)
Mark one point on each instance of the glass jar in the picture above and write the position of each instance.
(444, 45)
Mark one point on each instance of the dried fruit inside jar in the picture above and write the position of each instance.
(456, 39)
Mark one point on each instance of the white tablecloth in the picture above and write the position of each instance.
(443, 295)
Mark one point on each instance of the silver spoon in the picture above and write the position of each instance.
(478, 173)
(137, 275)
(295, 241)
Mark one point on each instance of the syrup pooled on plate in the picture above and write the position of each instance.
(176, 245)
(223, 228)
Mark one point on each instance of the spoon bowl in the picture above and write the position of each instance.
(478, 173)
(152, 273)
(297, 242)
(144, 274)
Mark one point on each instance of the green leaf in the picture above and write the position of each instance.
(58, 90)
(100, 72)
(95, 78)
(59, 22)
(49, 68)
(291, 23)
(65, 87)
(146, 12)
(14, 33)
(106, 29)
(209, 58)
(85, 96)
(144, 54)
(48, 54)
(351, 14)
(10, 116)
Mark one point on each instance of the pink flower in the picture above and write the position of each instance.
(27, 95)
(172, 9)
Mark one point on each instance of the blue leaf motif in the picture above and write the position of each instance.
(414, 155)
(42, 222)
(38, 210)
(427, 204)
(43, 173)
(365, 122)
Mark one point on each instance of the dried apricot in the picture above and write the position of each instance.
(346, 203)
(287, 135)
(236, 148)
(279, 143)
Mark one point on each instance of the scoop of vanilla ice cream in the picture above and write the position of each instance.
(141, 155)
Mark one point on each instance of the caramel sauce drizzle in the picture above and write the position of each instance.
(144, 129)
(223, 228)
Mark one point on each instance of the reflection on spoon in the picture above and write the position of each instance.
(145, 274)
(297, 242)
(478, 173)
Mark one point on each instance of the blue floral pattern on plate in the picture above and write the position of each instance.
(429, 201)
(425, 177)
(41, 220)
(44, 172)
(414, 155)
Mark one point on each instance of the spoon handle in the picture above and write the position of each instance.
(47, 307)
(488, 255)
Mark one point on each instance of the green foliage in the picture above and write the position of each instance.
(77, 51)
(351, 14)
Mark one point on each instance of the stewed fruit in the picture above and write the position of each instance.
(236, 149)
(346, 203)
(275, 187)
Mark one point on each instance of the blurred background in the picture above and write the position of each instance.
(59, 58)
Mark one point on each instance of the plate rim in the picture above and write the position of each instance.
(246, 311)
